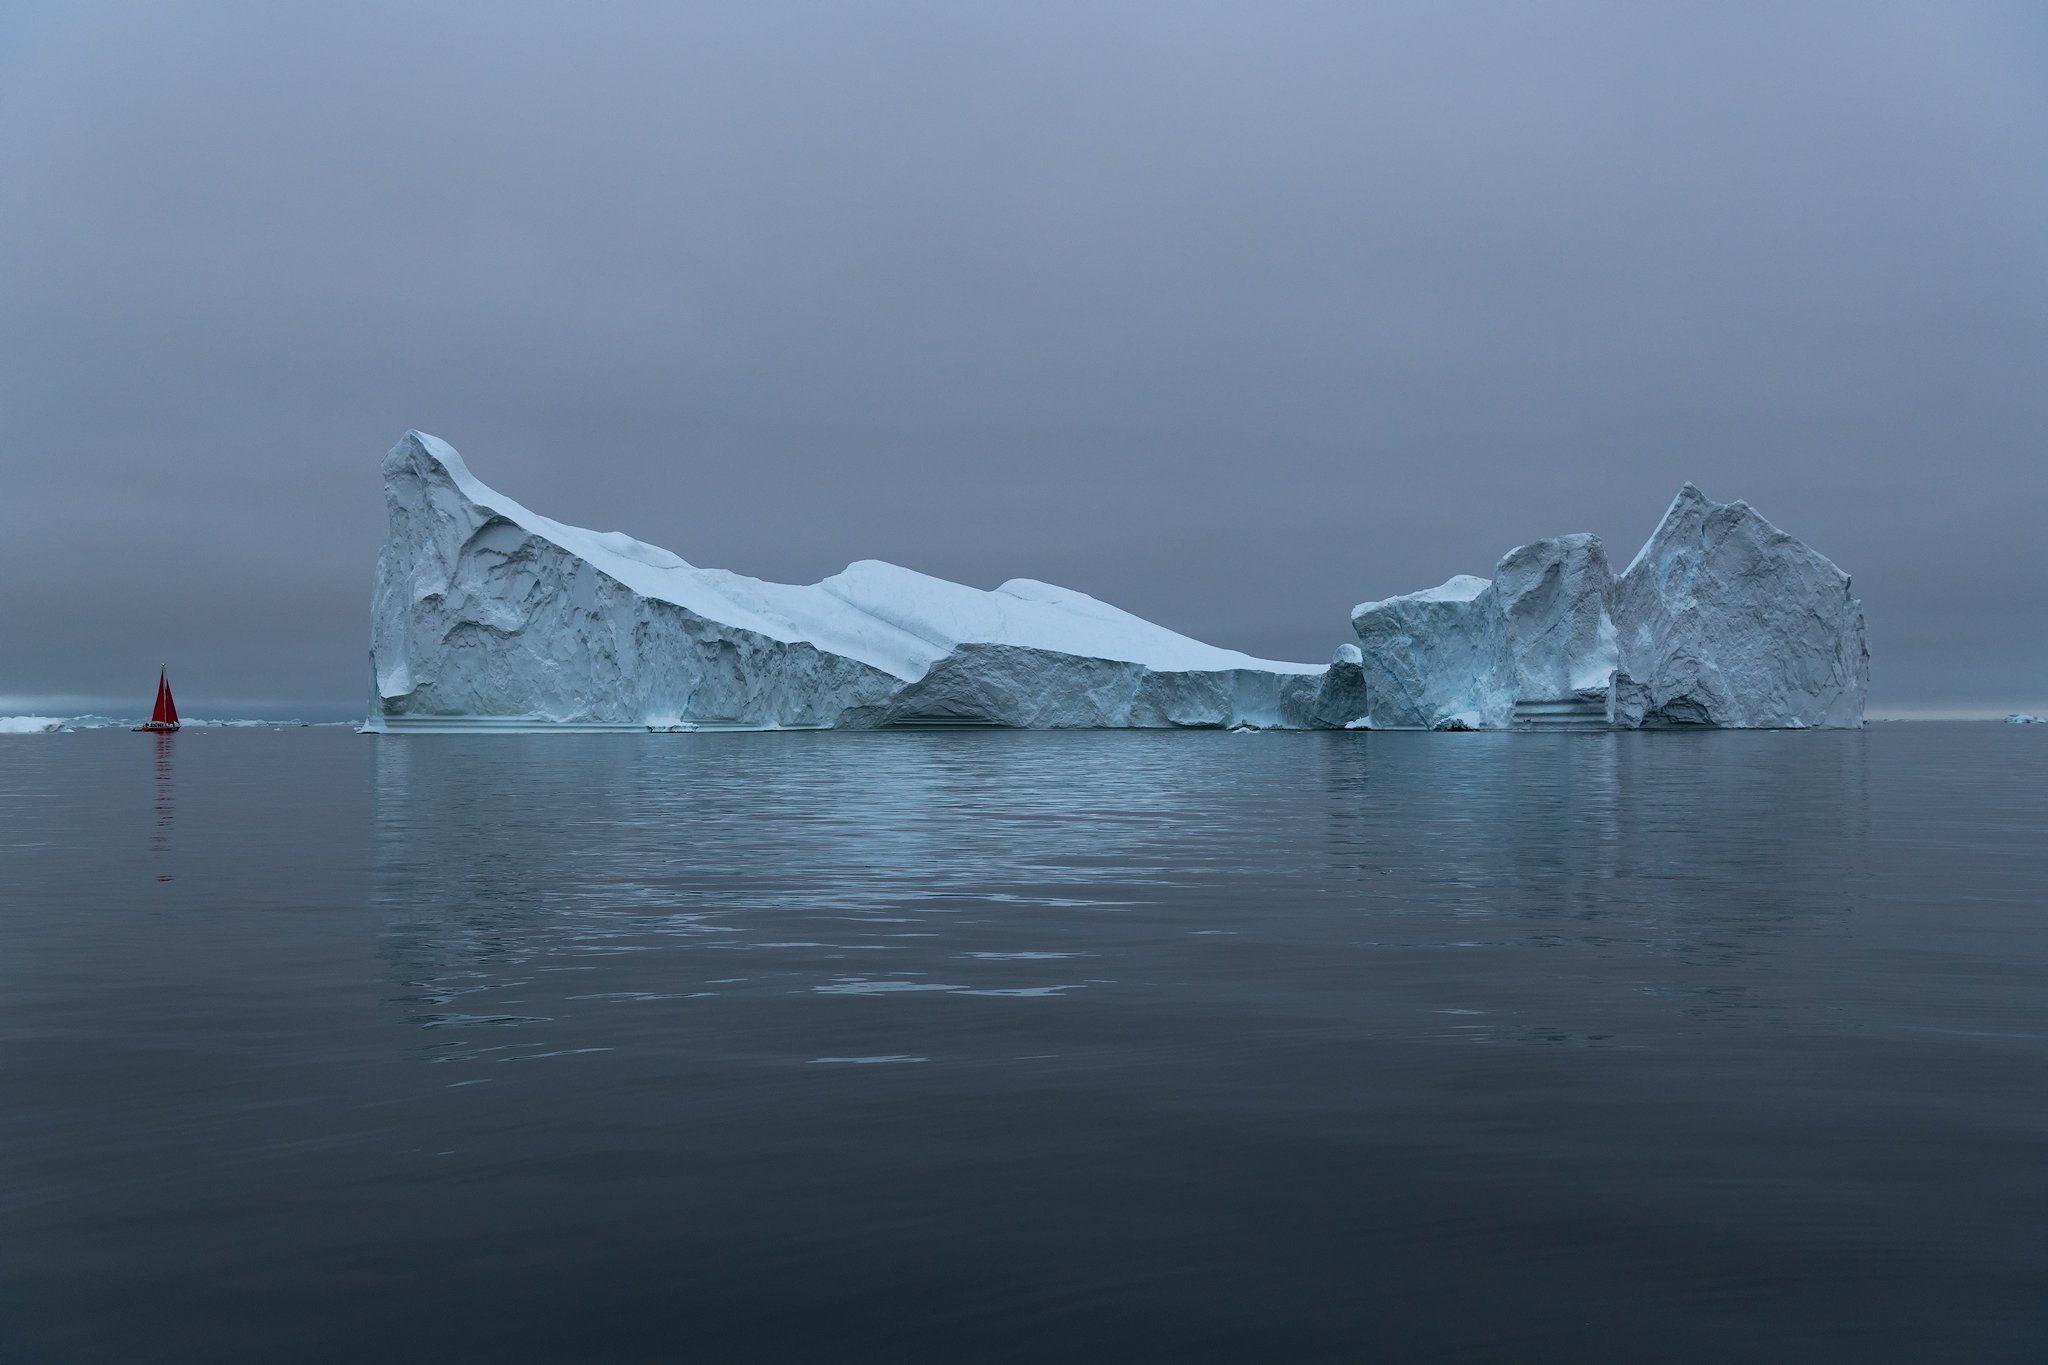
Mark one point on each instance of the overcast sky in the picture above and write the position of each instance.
(1231, 315)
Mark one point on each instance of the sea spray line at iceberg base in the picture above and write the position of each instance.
(489, 616)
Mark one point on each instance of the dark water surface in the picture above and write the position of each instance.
(1001, 1046)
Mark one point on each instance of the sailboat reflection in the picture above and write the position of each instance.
(166, 804)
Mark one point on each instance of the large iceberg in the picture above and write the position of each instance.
(1721, 619)
(487, 615)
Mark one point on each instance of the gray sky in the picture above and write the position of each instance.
(1231, 315)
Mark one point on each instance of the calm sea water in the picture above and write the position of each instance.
(1003, 1046)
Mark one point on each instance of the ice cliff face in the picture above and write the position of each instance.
(1554, 600)
(1726, 620)
(1721, 620)
(489, 615)
(1438, 659)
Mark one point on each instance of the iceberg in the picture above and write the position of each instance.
(2023, 718)
(1721, 620)
(486, 615)
(1436, 659)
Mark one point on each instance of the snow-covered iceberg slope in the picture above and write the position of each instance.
(487, 615)
(1721, 620)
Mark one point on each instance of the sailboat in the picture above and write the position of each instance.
(164, 718)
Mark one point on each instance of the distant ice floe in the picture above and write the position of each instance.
(2022, 718)
(50, 725)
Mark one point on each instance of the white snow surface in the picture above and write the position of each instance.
(1459, 588)
(30, 725)
(489, 614)
(1721, 619)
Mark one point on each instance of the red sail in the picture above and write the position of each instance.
(166, 712)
